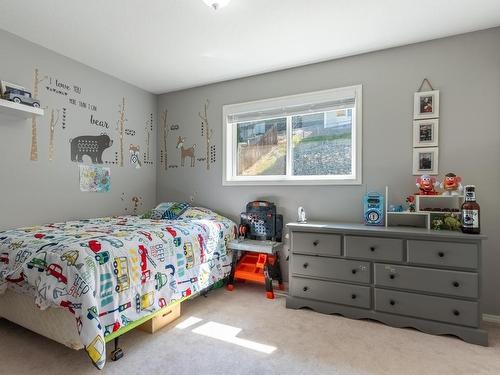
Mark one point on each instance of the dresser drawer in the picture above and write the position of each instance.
(448, 254)
(340, 269)
(345, 294)
(374, 248)
(316, 243)
(454, 283)
(427, 307)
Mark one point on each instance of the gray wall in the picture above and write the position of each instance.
(35, 192)
(465, 68)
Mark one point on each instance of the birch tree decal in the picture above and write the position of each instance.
(148, 130)
(205, 129)
(165, 137)
(53, 122)
(34, 141)
(121, 129)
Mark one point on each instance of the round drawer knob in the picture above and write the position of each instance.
(456, 312)
(305, 265)
(354, 272)
(441, 254)
(392, 302)
(372, 248)
(316, 242)
(392, 276)
(353, 296)
(456, 284)
(305, 289)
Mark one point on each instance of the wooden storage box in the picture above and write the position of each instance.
(163, 318)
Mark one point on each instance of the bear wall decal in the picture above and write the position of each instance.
(91, 145)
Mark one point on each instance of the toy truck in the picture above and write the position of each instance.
(122, 274)
(17, 94)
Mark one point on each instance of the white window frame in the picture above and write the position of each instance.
(229, 174)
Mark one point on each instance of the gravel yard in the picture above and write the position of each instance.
(328, 157)
(322, 157)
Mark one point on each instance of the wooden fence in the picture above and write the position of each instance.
(249, 153)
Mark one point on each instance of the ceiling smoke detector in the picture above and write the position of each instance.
(216, 4)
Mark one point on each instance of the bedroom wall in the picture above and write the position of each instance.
(35, 192)
(465, 68)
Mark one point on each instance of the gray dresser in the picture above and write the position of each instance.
(404, 277)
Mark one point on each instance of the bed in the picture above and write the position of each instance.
(108, 274)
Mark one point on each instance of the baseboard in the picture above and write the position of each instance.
(491, 318)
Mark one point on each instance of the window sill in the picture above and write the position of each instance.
(284, 182)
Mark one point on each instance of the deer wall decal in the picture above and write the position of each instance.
(185, 151)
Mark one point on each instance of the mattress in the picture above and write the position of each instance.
(109, 272)
(54, 323)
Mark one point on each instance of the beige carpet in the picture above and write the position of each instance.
(272, 340)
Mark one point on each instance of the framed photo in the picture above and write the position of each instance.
(425, 160)
(426, 133)
(426, 105)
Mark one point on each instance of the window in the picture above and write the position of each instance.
(312, 138)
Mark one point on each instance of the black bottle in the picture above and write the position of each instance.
(471, 212)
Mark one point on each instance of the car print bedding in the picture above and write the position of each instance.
(109, 272)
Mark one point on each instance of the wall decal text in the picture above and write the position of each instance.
(97, 122)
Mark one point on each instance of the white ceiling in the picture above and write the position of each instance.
(167, 45)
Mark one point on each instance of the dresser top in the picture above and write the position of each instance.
(356, 228)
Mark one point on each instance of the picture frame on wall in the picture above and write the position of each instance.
(426, 105)
(426, 133)
(425, 160)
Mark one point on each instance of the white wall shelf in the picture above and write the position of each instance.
(423, 213)
(427, 207)
(429, 203)
(17, 110)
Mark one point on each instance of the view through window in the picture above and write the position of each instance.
(299, 143)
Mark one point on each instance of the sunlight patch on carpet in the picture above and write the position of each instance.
(191, 321)
(228, 334)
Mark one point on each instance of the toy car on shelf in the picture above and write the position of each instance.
(17, 94)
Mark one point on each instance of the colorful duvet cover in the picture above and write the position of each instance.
(109, 272)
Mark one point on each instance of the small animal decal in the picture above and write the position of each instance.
(134, 156)
(186, 151)
(91, 145)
